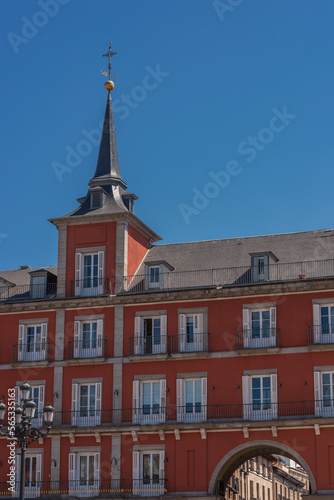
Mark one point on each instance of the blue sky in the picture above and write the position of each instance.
(233, 136)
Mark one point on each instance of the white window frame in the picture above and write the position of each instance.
(89, 420)
(140, 342)
(32, 491)
(74, 474)
(319, 337)
(38, 289)
(39, 351)
(80, 289)
(182, 414)
(154, 283)
(262, 413)
(92, 195)
(141, 416)
(195, 343)
(152, 489)
(262, 342)
(78, 345)
(320, 408)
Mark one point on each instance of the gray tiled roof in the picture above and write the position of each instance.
(22, 277)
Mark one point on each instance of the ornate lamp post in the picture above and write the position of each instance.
(22, 433)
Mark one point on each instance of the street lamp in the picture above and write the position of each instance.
(20, 429)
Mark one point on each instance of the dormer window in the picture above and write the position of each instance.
(157, 274)
(95, 199)
(154, 277)
(262, 266)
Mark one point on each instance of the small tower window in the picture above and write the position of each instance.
(95, 200)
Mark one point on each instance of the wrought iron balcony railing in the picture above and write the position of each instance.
(24, 293)
(321, 334)
(89, 348)
(196, 413)
(148, 345)
(189, 342)
(87, 488)
(169, 344)
(90, 287)
(257, 338)
(37, 351)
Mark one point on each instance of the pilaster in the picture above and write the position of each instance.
(60, 335)
(55, 459)
(116, 457)
(121, 265)
(61, 268)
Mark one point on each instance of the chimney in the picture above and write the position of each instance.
(25, 267)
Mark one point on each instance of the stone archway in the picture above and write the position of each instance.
(240, 454)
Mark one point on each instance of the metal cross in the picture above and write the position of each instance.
(109, 54)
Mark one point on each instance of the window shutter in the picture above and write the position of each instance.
(41, 399)
(162, 400)
(317, 393)
(179, 399)
(316, 323)
(246, 327)
(96, 469)
(17, 395)
(44, 329)
(77, 338)
(135, 470)
(100, 337)
(21, 342)
(139, 329)
(274, 399)
(198, 321)
(72, 469)
(136, 400)
(246, 395)
(17, 474)
(161, 468)
(163, 342)
(98, 406)
(75, 390)
(39, 470)
(100, 259)
(272, 311)
(204, 383)
(182, 332)
(78, 273)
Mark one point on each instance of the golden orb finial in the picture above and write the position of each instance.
(109, 85)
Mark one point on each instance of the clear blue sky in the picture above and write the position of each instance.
(225, 68)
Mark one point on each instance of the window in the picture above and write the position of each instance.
(88, 339)
(259, 396)
(149, 401)
(89, 273)
(324, 393)
(95, 200)
(323, 321)
(191, 399)
(150, 334)
(38, 287)
(32, 344)
(191, 335)
(33, 474)
(154, 277)
(148, 472)
(86, 404)
(37, 395)
(84, 473)
(259, 327)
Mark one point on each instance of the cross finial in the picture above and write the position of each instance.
(109, 54)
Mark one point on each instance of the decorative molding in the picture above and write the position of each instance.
(177, 434)
(245, 430)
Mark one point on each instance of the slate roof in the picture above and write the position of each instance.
(20, 277)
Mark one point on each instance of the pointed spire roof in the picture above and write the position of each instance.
(107, 168)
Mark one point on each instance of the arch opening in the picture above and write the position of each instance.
(236, 457)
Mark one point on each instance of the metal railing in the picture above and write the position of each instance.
(30, 352)
(85, 489)
(243, 275)
(169, 344)
(257, 338)
(90, 348)
(148, 345)
(23, 293)
(320, 334)
(195, 413)
(195, 342)
(90, 287)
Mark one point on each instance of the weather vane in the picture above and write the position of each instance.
(109, 85)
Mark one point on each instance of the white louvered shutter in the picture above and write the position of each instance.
(136, 472)
(101, 284)
(317, 393)
(72, 470)
(179, 399)
(274, 399)
(78, 273)
(75, 396)
(96, 469)
(162, 400)
(21, 346)
(272, 315)
(163, 323)
(100, 345)
(316, 323)
(77, 339)
(98, 405)
(139, 330)
(17, 395)
(44, 330)
(39, 471)
(198, 332)
(204, 384)
(161, 470)
(40, 408)
(182, 332)
(136, 401)
(246, 396)
(246, 320)
(17, 474)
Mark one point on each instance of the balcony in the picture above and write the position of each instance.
(30, 352)
(195, 342)
(148, 345)
(90, 488)
(197, 413)
(169, 344)
(90, 287)
(83, 349)
(23, 293)
(321, 334)
(258, 338)
(231, 276)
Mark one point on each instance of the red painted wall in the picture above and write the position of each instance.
(137, 249)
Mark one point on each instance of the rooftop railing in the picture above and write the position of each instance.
(24, 293)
